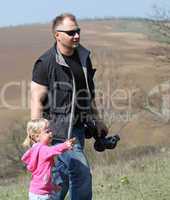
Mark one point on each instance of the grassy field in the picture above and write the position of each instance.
(145, 177)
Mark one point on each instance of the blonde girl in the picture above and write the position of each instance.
(39, 158)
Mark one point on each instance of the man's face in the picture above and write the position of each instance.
(68, 34)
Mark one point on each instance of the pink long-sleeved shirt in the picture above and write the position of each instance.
(39, 160)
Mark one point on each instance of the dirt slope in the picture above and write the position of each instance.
(125, 63)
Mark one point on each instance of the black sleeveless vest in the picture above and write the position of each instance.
(59, 105)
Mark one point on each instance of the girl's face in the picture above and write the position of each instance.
(45, 135)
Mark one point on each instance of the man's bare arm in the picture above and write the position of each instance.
(38, 93)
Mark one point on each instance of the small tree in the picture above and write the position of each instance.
(11, 150)
(161, 21)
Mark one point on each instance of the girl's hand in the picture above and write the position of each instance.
(70, 142)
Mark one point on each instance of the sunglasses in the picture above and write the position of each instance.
(71, 32)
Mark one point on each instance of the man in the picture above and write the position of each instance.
(62, 90)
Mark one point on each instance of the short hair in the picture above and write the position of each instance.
(58, 20)
(33, 128)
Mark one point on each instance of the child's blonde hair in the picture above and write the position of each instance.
(33, 128)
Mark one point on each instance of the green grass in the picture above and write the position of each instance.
(143, 178)
(14, 189)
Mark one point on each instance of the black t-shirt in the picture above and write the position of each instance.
(81, 88)
(40, 76)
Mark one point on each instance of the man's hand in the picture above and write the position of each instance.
(101, 128)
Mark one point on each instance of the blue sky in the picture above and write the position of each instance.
(15, 12)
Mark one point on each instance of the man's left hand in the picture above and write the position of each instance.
(101, 128)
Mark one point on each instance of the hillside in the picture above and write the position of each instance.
(128, 69)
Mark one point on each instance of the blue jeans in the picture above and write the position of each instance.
(72, 172)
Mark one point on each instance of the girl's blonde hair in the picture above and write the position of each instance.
(33, 128)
